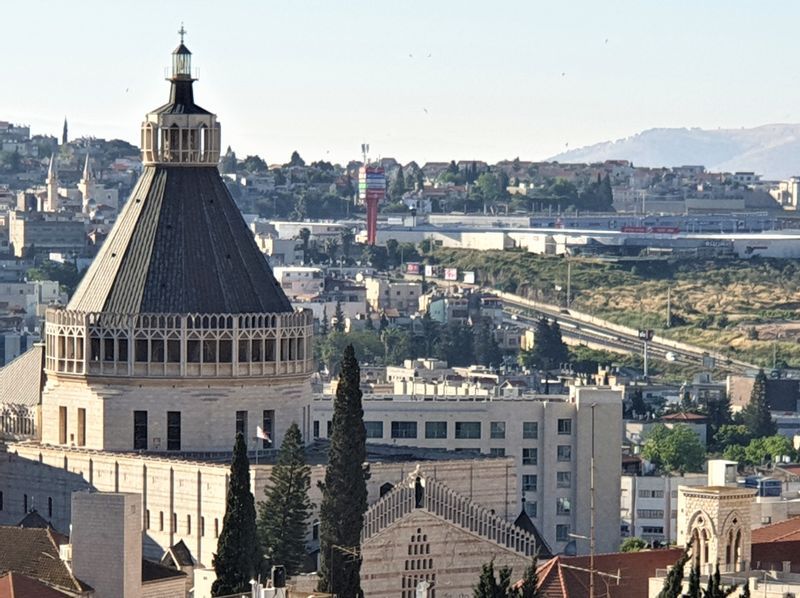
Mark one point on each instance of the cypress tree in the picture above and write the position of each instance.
(283, 515)
(694, 580)
(237, 559)
(489, 586)
(673, 583)
(530, 581)
(339, 316)
(756, 415)
(344, 492)
(324, 325)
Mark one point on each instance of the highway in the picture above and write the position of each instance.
(578, 327)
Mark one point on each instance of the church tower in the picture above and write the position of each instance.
(86, 187)
(178, 336)
(52, 202)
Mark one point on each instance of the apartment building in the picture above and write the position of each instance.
(549, 437)
(300, 281)
(383, 294)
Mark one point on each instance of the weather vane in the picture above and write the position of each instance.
(182, 31)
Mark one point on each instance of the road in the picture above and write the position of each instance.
(583, 328)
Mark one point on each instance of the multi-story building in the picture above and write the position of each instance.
(402, 295)
(548, 437)
(44, 232)
(300, 281)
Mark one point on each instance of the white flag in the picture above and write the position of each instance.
(260, 433)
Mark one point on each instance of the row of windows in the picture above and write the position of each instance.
(651, 493)
(463, 430)
(530, 456)
(650, 513)
(29, 505)
(174, 523)
(530, 481)
(209, 350)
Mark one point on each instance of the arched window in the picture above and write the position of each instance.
(705, 540)
(737, 549)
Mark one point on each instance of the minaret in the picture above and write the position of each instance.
(64, 133)
(52, 204)
(86, 186)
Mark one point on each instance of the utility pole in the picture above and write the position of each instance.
(669, 307)
(569, 281)
(591, 513)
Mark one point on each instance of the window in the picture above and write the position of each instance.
(328, 425)
(216, 527)
(374, 429)
(62, 425)
(404, 429)
(565, 426)
(174, 523)
(468, 430)
(173, 430)
(564, 452)
(188, 525)
(530, 456)
(650, 513)
(1, 500)
(24, 503)
(315, 428)
(315, 530)
(652, 530)
(50, 507)
(530, 508)
(241, 424)
(651, 493)
(497, 430)
(497, 452)
(81, 426)
(147, 519)
(161, 521)
(563, 506)
(530, 430)
(267, 425)
(562, 532)
(202, 526)
(435, 429)
(529, 482)
(140, 430)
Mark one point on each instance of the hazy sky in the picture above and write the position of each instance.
(423, 80)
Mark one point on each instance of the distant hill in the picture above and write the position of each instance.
(772, 151)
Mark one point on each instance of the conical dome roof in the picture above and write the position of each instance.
(180, 245)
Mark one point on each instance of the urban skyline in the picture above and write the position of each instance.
(416, 83)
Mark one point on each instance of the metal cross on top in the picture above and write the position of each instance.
(182, 31)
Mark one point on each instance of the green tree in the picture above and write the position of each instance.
(339, 317)
(344, 491)
(347, 238)
(761, 450)
(632, 544)
(399, 185)
(714, 588)
(283, 515)
(305, 235)
(745, 590)
(393, 252)
(237, 559)
(694, 580)
(323, 324)
(730, 434)
(530, 582)
(255, 165)
(66, 274)
(676, 449)
(296, 160)
(638, 406)
(493, 586)
(756, 415)
(228, 163)
(719, 414)
(487, 351)
(455, 345)
(397, 345)
(673, 582)
(331, 249)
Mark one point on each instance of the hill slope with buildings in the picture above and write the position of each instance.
(771, 150)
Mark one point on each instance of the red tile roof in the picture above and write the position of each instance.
(16, 585)
(558, 578)
(783, 531)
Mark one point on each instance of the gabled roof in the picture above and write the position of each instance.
(178, 556)
(525, 522)
(22, 379)
(568, 577)
(180, 245)
(17, 585)
(33, 519)
(152, 571)
(783, 531)
(34, 552)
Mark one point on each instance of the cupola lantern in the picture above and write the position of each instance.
(181, 133)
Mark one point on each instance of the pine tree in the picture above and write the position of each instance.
(756, 415)
(745, 590)
(399, 185)
(673, 583)
(714, 587)
(283, 515)
(489, 586)
(339, 317)
(530, 581)
(237, 559)
(344, 492)
(487, 351)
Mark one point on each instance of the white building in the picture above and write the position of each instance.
(549, 438)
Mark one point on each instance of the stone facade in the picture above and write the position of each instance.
(185, 500)
(715, 521)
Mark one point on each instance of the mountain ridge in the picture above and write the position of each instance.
(771, 150)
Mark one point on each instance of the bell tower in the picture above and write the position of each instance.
(86, 186)
(52, 204)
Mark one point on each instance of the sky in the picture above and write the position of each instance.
(424, 80)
